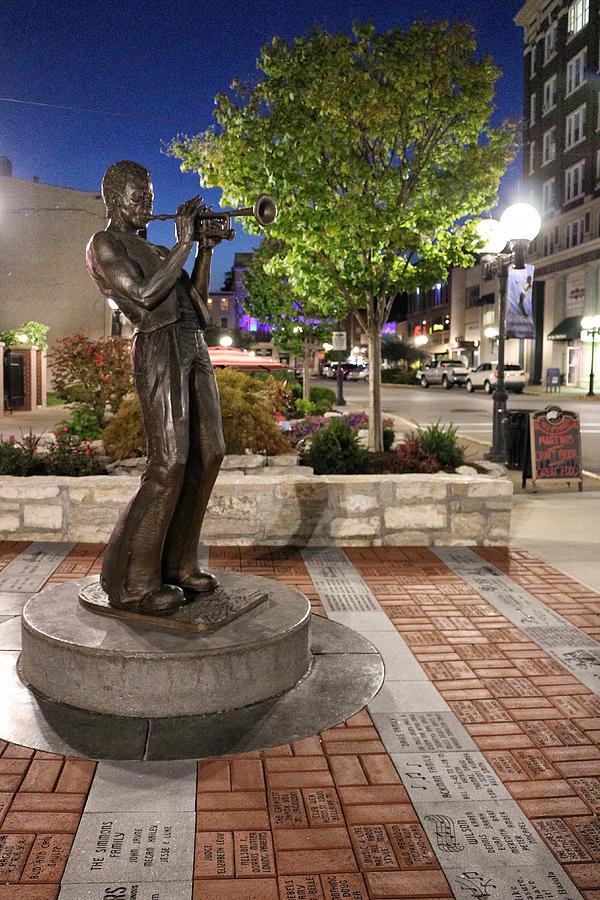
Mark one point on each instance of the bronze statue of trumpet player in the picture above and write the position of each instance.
(151, 564)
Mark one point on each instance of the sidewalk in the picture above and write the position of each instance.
(475, 772)
(37, 421)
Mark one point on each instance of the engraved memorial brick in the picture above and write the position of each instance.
(541, 733)
(589, 790)
(469, 835)
(286, 809)
(492, 711)
(14, 850)
(528, 883)
(561, 841)
(448, 776)
(422, 732)
(448, 671)
(587, 829)
(214, 855)
(48, 858)
(254, 856)
(323, 807)
(478, 651)
(133, 847)
(535, 764)
(568, 733)
(507, 766)
(411, 847)
(344, 887)
(373, 848)
(300, 887)
(512, 687)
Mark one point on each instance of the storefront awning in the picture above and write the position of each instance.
(567, 330)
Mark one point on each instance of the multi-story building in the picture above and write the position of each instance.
(561, 173)
(44, 229)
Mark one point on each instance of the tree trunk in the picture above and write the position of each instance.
(375, 422)
(306, 373)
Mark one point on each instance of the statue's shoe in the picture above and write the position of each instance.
(197, 582)
(164, 601)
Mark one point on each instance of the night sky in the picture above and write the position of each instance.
(138, 74)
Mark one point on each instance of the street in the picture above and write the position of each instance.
(472, 413)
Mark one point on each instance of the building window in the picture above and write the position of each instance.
(472, 296)
(574, 181)
(548, 189)
(549, 95)
(549, 146)
(574, 233)
(597, 168)
(531, 157)
(576, 72)
(579, 14)
(224, 322)
(532, 109)
(550, 43)
(574, 127)
(532, 61)
(548, 244)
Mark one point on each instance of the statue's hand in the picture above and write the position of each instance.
(185, 219)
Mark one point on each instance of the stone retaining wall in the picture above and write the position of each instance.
(278, 508)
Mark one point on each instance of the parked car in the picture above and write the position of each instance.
(350, 371)
(485, 377)
(446, 372)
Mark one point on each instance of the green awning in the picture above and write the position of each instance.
(568, 330)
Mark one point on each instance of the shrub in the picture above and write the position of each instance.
(68, 455)
(408, 457)
(248, 422)
(398, 376)
(248, 408)
(323, 398)
(96, 374)
(388, 437)
(440, 441)
(83, 423)
(304, 408)
(335, 450)
(124, 436)
(20, 457)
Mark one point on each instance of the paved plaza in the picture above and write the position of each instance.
(474, 773)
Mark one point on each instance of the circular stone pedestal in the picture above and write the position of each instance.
(107, 665)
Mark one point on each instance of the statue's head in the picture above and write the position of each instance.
(127, 193)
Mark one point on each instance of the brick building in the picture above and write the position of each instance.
(561, 172)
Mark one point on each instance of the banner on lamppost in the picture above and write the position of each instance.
(338, 340)
(519, 303)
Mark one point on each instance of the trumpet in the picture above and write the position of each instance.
(216, 225)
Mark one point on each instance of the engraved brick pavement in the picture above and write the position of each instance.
(328, 817)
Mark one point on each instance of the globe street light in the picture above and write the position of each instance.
(226, 341)
(505, 243)
(590, 326)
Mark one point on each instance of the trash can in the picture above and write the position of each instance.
(516, 423)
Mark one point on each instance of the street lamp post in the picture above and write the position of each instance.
(591, 325)
(505, 242)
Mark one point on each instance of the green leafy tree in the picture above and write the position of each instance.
(395, 350)
(296, 322)
(33, 333)
(374, 146)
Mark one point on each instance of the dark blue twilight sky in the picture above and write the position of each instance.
(156, 66)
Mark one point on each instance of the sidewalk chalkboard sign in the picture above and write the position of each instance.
(554, 446)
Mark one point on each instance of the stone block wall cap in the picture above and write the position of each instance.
(284, 459)
(244, 461)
